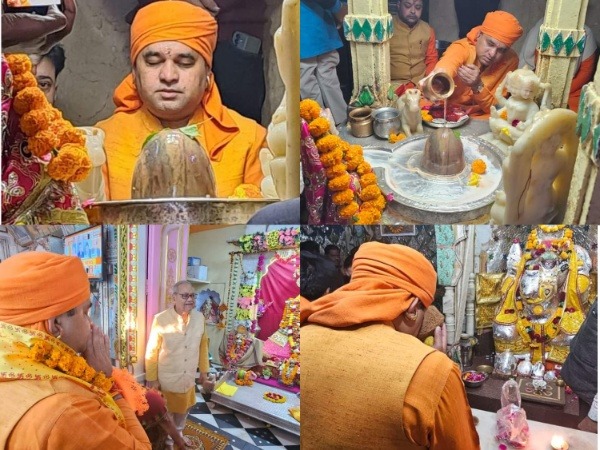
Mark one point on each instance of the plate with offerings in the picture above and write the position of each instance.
(433, 115)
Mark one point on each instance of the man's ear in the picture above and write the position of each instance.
(54, 327)
(414, 306)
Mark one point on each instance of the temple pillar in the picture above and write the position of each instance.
(561, 42)
(448, 310)
(470, 308)
(368, 27)
(583, 205)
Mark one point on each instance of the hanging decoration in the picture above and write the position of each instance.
(126, 282)
(269, 241)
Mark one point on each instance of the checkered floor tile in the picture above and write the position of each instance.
(243, 432)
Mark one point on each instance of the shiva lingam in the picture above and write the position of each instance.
(430, 176)
(545, 293)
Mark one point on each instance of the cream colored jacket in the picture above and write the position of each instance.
(175, 350)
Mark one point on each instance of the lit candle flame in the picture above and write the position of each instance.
(557, 442)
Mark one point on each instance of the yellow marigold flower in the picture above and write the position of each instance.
(65, 165)
(328, 143)
(339, 183)
(29, 99)
(344, 146)
(18, 63)
(426, 116)
(356, 149)
(88, 374)
(79, 365)
(368, 179)
(23, 80)
(102, 382)
(479, 166)
(318, 127)
(38, 351)
(568, 233)
(35, 121)
(246, 191)
(343, 197)
(504, 115)
(564, 255)
(529, 245)
(42, 143)
(353, 163)
(332, 158)
(65, 363)
(527, 256)
(348, 211)
(474, 180)
(335, 170)
(363, 168)
(370, 193)
(309, 109)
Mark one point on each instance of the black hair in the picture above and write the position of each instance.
(317, 275)
(57, 56)
(331, 247)
(310, 246)
(348, 261)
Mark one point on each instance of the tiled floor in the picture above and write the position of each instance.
(243, 432)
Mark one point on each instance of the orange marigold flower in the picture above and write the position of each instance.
(335, 170)
(331, 159)
(378, 204)
(328, 143)
(35, 121)
(309, 109)
(42, 143)
(23, 80)
(363, 168)
(393, 138)
(368, 217)
(18, 63)
(318, 127)
(353, 163)
(79, 365)
(348, 211)
(71, 135)
(426, 116)
(85, 166)
(370, 193)
(504, 115)
(368, 179)
(344, 146)
(343, 197)
(64, 166)
(88, 374)
(28, 99)
(355, 148)
(339, 183)
(65, 363)
(478, 166)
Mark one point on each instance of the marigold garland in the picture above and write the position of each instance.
(339, 158)
(51, 139)
(72, 365)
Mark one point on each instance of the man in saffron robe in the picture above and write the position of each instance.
(367, 381)
(479, 62)
(171, 86)
(52, 398)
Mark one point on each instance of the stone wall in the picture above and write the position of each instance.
(98, 59)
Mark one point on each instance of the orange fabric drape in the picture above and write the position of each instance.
(385, 280)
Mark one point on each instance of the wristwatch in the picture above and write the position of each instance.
(477, 89)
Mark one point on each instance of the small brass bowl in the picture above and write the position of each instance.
(361, 122)
(485, 369)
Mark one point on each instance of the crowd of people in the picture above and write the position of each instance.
(477, 61)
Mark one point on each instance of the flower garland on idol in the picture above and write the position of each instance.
(54, 141)
(270, 241)
(340, 160)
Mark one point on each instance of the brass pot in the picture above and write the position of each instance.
(361, 122)
(438, 86)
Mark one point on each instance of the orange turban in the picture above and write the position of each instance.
(36, 286)
(193, 26)
(385, 280)
(174, 21)
(499, 25)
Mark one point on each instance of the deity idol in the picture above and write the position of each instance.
(544, 295)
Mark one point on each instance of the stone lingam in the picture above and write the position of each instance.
(444, 153)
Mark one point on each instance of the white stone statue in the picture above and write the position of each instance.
(410, 112)
(516, 113)
(538, 171)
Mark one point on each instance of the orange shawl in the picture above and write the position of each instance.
(385, 280)
(195, 27)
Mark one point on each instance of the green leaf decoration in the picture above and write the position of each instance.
(379, 31)
(596, 141)
(150, 136)
(365, 97)
(569, 44)
(390, 93)
(346, 29)
(356, 29)
(557, 43)
(457, 134)
(190, 131)
(586, 125)
(545, 42)
(580, 111)
(367, 30)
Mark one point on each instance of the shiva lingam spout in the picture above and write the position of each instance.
(544, 293)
